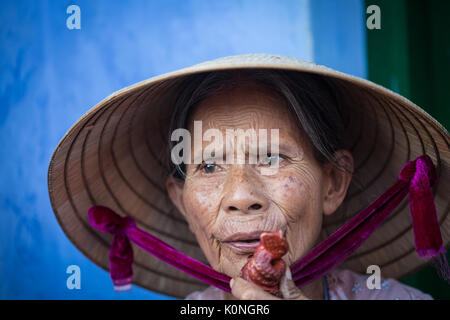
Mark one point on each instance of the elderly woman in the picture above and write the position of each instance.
(340, 142)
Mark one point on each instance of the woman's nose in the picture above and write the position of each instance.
(244, 196)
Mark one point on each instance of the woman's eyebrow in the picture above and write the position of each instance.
(219, 156)
(286, 148)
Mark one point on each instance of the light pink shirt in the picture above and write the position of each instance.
(343, 285)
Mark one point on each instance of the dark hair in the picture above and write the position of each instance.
(310, 96)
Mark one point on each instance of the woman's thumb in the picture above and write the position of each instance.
(289, 289)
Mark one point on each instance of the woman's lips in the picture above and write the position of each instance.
(243, 242)
(242, 247)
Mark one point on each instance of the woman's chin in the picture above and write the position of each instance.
(234, 264)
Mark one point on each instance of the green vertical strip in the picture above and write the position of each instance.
(421, 64)
(439, 11)
(410, 54)
(387, 48)
(429, 38)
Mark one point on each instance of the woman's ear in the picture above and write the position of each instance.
(337, 181)
(175, 190)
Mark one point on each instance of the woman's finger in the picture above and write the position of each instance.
(245, 290)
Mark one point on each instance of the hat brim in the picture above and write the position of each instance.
(116, 156)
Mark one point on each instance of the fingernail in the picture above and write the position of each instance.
(288, 274)
(231, 282)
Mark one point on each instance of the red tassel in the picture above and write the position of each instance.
(421, 175)
(121, 252)
(120, 262)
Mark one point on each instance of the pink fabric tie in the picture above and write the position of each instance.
(416, 178)
(121, 252)
(421, 176)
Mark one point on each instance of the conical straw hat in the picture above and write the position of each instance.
(116, 156)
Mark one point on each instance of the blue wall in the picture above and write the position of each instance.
(50, 76)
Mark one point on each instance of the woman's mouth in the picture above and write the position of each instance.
(243, 247)
(243, 243)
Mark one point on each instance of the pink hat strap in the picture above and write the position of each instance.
(416, 178)
(121, 253)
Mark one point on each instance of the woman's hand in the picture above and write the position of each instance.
(245, 290)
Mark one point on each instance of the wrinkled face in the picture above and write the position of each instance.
(227, 206)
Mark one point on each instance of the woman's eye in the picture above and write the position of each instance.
(271, 160)
(208, 167)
